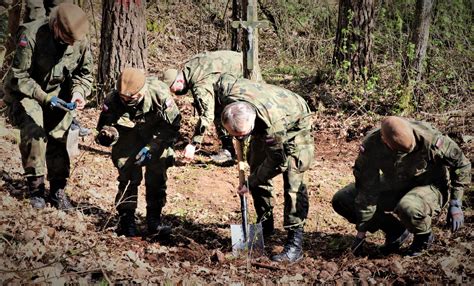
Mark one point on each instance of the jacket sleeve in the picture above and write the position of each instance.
(203, 94)
(82, 76)
(108, 116)
(459, 165)
(19, 79)
(171, 121)
(367, 177)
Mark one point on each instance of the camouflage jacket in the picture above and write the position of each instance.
(281, 116)
(201, 72)
(157, 116)
(42, 67)
(435, 159)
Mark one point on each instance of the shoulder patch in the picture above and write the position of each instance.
(105, 108)
(361, 149)
(23, 41)
(439, 142)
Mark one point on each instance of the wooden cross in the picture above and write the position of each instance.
(251, 25)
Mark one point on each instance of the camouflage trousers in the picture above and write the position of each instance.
(399, 206)
(300, 154)
(43, 134)
(131, 175)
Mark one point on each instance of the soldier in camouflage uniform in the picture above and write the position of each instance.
(141, 121)
(279, 124)
(420, 169)
(52, 61)
(198, 75)
(38, 9)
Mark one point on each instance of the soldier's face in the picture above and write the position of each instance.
(131, 100)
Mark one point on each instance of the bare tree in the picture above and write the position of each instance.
(123, 41)
(416, 49)
(353, 44)
(236, 33)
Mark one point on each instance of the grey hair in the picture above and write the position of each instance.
(239, 115)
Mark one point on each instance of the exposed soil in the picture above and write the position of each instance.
(54, 246)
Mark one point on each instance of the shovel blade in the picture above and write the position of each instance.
(72, 143)
(254, 244)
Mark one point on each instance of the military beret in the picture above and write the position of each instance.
(72, 21)
(398, 134)
(131, 80)
(169, 76)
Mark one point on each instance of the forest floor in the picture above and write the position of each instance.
(81, 246)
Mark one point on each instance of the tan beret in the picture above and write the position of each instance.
(131, 80)
(169, 76)
(398, 134)
(72, 21)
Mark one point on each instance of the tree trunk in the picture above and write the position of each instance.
(236, 33)
(123, 41)
(416, 49)
(353, 42)
(14, 15)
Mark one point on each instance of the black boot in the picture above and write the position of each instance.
(293, 250)
(421, 242)
(226, 155)
(36, 191)
(58, 197)
(393, 242)
(127, 225)
(155, 228)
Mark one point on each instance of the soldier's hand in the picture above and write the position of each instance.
(143, 156)
(455, 215)
(242, 190)
(79, 100)
(189, 151)
(108, 136)
(356, 247)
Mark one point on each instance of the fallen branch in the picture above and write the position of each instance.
(263, 265)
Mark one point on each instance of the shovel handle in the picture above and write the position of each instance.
(243, 198)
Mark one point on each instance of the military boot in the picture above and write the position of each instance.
(36, 191)
(58, 197)
(226, 155)
(293, 250)
(127, 226)
(155, 228)
(393, 242)
(421, 242)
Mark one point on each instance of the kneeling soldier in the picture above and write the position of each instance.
(141, 121)
(406, 168)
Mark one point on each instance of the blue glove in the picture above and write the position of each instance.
(143, 156)
(455, 215)
(58, 102)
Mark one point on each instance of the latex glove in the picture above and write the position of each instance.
(356, 247)
(189, 151)
(59, 103)
(79, 100)
(108, 136)
(455, 215)
(243, 190)
(143, 156)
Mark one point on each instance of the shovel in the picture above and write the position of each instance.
(246, 238)
(72, 141)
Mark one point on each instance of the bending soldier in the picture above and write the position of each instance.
(278, 122)
(141, 121)
(52, 63)
(416, 161)
(198, 75)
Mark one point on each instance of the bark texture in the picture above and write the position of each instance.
(123, 41)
